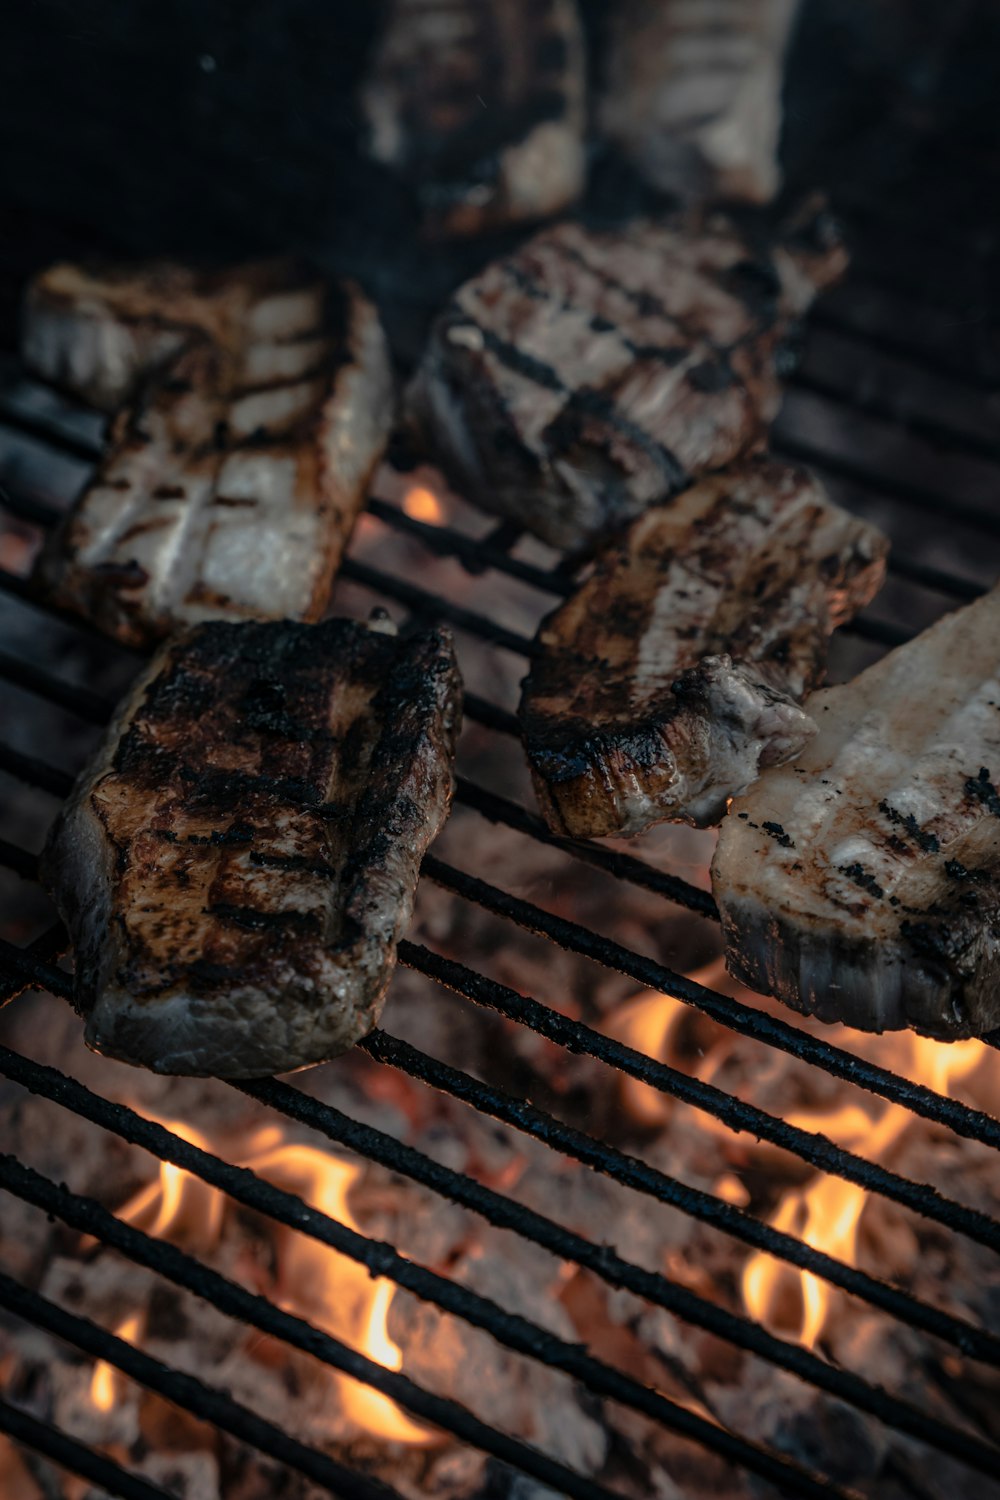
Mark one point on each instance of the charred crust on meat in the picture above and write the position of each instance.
(863, 879)
(928, 842)
(981, 789)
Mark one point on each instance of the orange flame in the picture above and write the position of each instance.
(827, 1213)
(647, 1022)
(104, 1381)
(341, 1295)
(423, 505)
(333, 1291)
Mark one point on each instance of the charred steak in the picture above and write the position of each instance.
(238, 861)
(257, 404)
(693, 93)
(480, 103)
(861, 884)
(589, 374)
(673, 674)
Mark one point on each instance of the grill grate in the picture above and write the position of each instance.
(35, 966)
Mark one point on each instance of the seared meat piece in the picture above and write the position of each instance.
(259, 404)
(673, 674)
(480, 103)
(861, 884)
(590, 374)
(237, 863)
(693, 93)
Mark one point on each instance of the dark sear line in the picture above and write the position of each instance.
(266, 798)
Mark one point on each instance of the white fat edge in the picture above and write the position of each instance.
(359, 410)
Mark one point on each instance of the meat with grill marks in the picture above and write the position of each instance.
(588, 374)
(480, 104)
(252, 407)
(238, 861)
(693, 93)
(674, 673)
(862, 884)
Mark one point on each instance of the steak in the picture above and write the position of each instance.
(252, 408)
(237, 863)
(861, 884)
(693, 94)
(674, 672)
(590, 374)
(480, 104)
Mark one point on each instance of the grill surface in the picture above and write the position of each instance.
(899, 423)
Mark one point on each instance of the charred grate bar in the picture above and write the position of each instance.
(35, 967)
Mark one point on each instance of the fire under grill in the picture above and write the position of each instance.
(892, 409)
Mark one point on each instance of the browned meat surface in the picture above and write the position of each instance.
(254, 406)
(480, 103)
(588, 375)
(237, 863)
(693, 93)
(674, 673)
(861, 884)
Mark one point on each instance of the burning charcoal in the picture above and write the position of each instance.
(674, 673)
(480, 105)
(860, 884)
(254, 406)
(693, 94)
(589, 375)
(238, 862)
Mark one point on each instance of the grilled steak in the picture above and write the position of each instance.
(590, 374)
(480, 103)
(237, 863)
(673, 674)
(257, 405)
(693, 93)
(861, 884)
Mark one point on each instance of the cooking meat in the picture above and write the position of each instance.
(257, 404)
(480, 104)
(693, 94)
(674, 673)
(238, 861)
(590, 374)
(861, 884)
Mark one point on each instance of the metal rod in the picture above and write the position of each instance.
(205, 1402)
(513, 1331)
(90, 1217)
(809, 1145)
(51, 1443)
(434, 607)
(472, 552)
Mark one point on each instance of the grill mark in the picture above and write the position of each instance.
(928, 842)
(284, 382)
(253, 920)
(588, 402)
(293, 863)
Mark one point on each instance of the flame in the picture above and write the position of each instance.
(334, 1292)
(342, 1297)
(178, 1202)
(423, 505)
(647, 1022)
(827, 1213)
(104, 1381)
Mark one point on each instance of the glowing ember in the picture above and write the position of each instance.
(104, 1382)
(423, 505)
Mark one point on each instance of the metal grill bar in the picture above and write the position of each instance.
(159, 1256)
(515, 1332)
(728, 1012)
(51, 1443)
(204, 1402)
(975, 1342)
